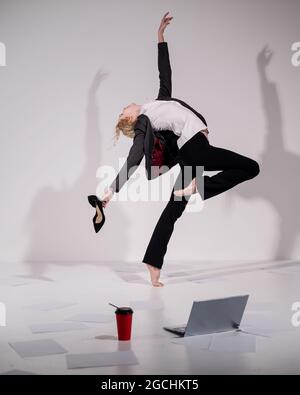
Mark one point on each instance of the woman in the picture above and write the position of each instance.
(190, 130)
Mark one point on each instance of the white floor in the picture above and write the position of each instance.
(88, 288)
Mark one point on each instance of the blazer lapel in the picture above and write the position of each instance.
(171, 150)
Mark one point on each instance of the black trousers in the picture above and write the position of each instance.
(233, 169)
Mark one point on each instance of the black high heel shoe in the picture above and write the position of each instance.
(99, 217)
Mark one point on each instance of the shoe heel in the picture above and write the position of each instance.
(92, 200)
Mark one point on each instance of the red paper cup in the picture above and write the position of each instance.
(124, 322)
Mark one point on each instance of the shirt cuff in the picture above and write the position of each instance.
(113, 187)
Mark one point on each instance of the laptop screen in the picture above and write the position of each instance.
(218, 315)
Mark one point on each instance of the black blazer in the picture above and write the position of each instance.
(143, 141)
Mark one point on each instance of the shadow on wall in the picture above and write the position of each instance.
(59, 222)
(276, 182)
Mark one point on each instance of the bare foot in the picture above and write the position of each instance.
(155, 274)
(189, 190)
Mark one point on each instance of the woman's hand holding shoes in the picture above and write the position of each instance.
(108, 194)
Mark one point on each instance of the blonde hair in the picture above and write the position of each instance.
(126, 126)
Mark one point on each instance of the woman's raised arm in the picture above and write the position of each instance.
(163, 24)
(164, 67)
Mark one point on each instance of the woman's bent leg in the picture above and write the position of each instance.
(234, 168)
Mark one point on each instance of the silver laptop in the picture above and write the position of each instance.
(213, 316)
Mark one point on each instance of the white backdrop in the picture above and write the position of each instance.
(71, 68)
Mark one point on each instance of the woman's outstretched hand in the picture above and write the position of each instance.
(163, 24)
(108, 194)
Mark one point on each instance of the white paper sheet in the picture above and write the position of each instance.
(291, 270)
(202, 280)
(178, 274)
(37, 348)
(51, 305)
(13, 282)
(58, 327)
(264, 324)
(106, 337)
(202, 342)
(234, 342)
(17, 373)
(92, 318)
(78, 361)
(132, 278)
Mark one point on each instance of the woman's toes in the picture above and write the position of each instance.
(183, 192)
(179, 193)
(157, 284)
(154, 275)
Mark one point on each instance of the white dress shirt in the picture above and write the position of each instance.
(172, 115)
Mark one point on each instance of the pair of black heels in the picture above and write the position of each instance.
(99, 217)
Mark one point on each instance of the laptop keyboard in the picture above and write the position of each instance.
(180, 329)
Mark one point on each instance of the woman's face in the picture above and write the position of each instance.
(129, 111)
